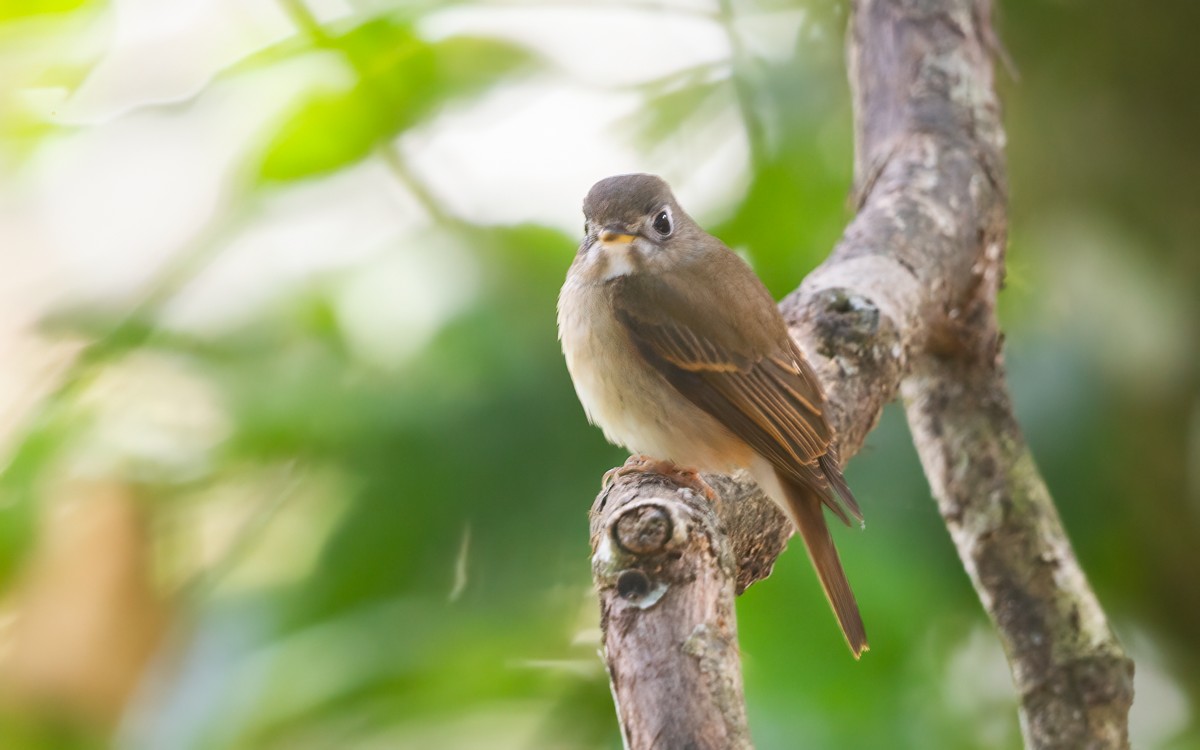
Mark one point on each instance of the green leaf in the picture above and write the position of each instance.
(402, 80)
(468, 64)
(330, 131)
(15, 10)
(698, 96)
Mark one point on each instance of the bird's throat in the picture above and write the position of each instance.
(620, 259)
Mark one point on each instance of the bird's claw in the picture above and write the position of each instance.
(689, 478)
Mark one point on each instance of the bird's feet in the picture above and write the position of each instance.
(685, 477)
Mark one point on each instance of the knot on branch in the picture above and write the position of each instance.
(855, 339)
(850, 327)
(635, 553)
(644, 520)
(846, 323)
(642, 540)
(649, 533)
(643, 529)
(633, 585)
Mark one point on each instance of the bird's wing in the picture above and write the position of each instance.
(771, 401)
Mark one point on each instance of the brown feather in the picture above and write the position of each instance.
(810, 520)
(771, 401)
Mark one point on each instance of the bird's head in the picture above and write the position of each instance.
(634, 225)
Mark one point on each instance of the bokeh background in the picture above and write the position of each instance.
(290, 456)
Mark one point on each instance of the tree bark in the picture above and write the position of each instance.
(905, 304)
(667, 572)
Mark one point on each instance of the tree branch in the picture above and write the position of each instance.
(667, 573)
(904, 304)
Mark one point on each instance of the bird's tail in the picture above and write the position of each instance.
(807, 512)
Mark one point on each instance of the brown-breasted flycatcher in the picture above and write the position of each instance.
(678, 352)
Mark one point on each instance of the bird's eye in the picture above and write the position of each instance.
(662, 222)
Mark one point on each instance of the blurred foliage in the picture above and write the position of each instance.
(360, 554)
(34, 67)
(12, 10)
(399, 80)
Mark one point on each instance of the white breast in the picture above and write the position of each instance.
(623, 395)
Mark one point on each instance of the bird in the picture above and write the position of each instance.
(678, 352)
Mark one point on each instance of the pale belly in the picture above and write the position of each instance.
(634, 405)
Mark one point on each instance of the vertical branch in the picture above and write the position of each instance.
(930, 153)
(904, 304)
(1074, 682)
(667, 578)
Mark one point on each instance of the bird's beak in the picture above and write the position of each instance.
(613, 236)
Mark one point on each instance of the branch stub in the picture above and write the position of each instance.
(642, 529)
